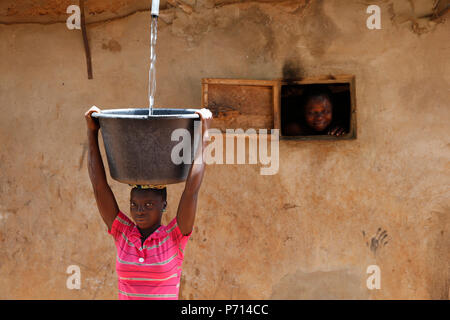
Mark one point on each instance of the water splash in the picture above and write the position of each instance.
(152, 70)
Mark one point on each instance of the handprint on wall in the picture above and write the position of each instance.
(377, 241)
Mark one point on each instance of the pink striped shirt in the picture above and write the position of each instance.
(152, 270)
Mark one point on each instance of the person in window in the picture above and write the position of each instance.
(149, 255)
(315, 115)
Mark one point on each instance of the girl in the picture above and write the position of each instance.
(149, 255)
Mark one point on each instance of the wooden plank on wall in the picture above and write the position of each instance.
(240, 103)
(256, 104)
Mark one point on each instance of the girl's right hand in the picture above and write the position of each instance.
(92, 124)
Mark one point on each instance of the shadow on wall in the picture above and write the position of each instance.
(320, 285)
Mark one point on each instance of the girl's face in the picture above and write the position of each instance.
(146, 208)
(318, 113)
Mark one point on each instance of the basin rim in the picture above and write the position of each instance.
(126, 114)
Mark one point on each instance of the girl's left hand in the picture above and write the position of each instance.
(336, 131)
(206, 118)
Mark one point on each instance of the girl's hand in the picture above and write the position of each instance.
(206, 118)
(92, 124)
(336, 131)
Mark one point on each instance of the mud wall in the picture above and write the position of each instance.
(308, 232)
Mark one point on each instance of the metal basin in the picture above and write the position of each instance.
(139, 147)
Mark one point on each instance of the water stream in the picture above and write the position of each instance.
(152, 70)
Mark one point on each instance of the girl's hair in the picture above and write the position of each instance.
(161, 190)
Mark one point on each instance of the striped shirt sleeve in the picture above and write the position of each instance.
(120, 225)
(177, 235)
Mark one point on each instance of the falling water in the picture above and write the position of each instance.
(152, 71)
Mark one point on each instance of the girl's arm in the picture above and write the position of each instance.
(106, 202)
(188, 201)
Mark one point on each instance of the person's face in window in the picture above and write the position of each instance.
(318, 113)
